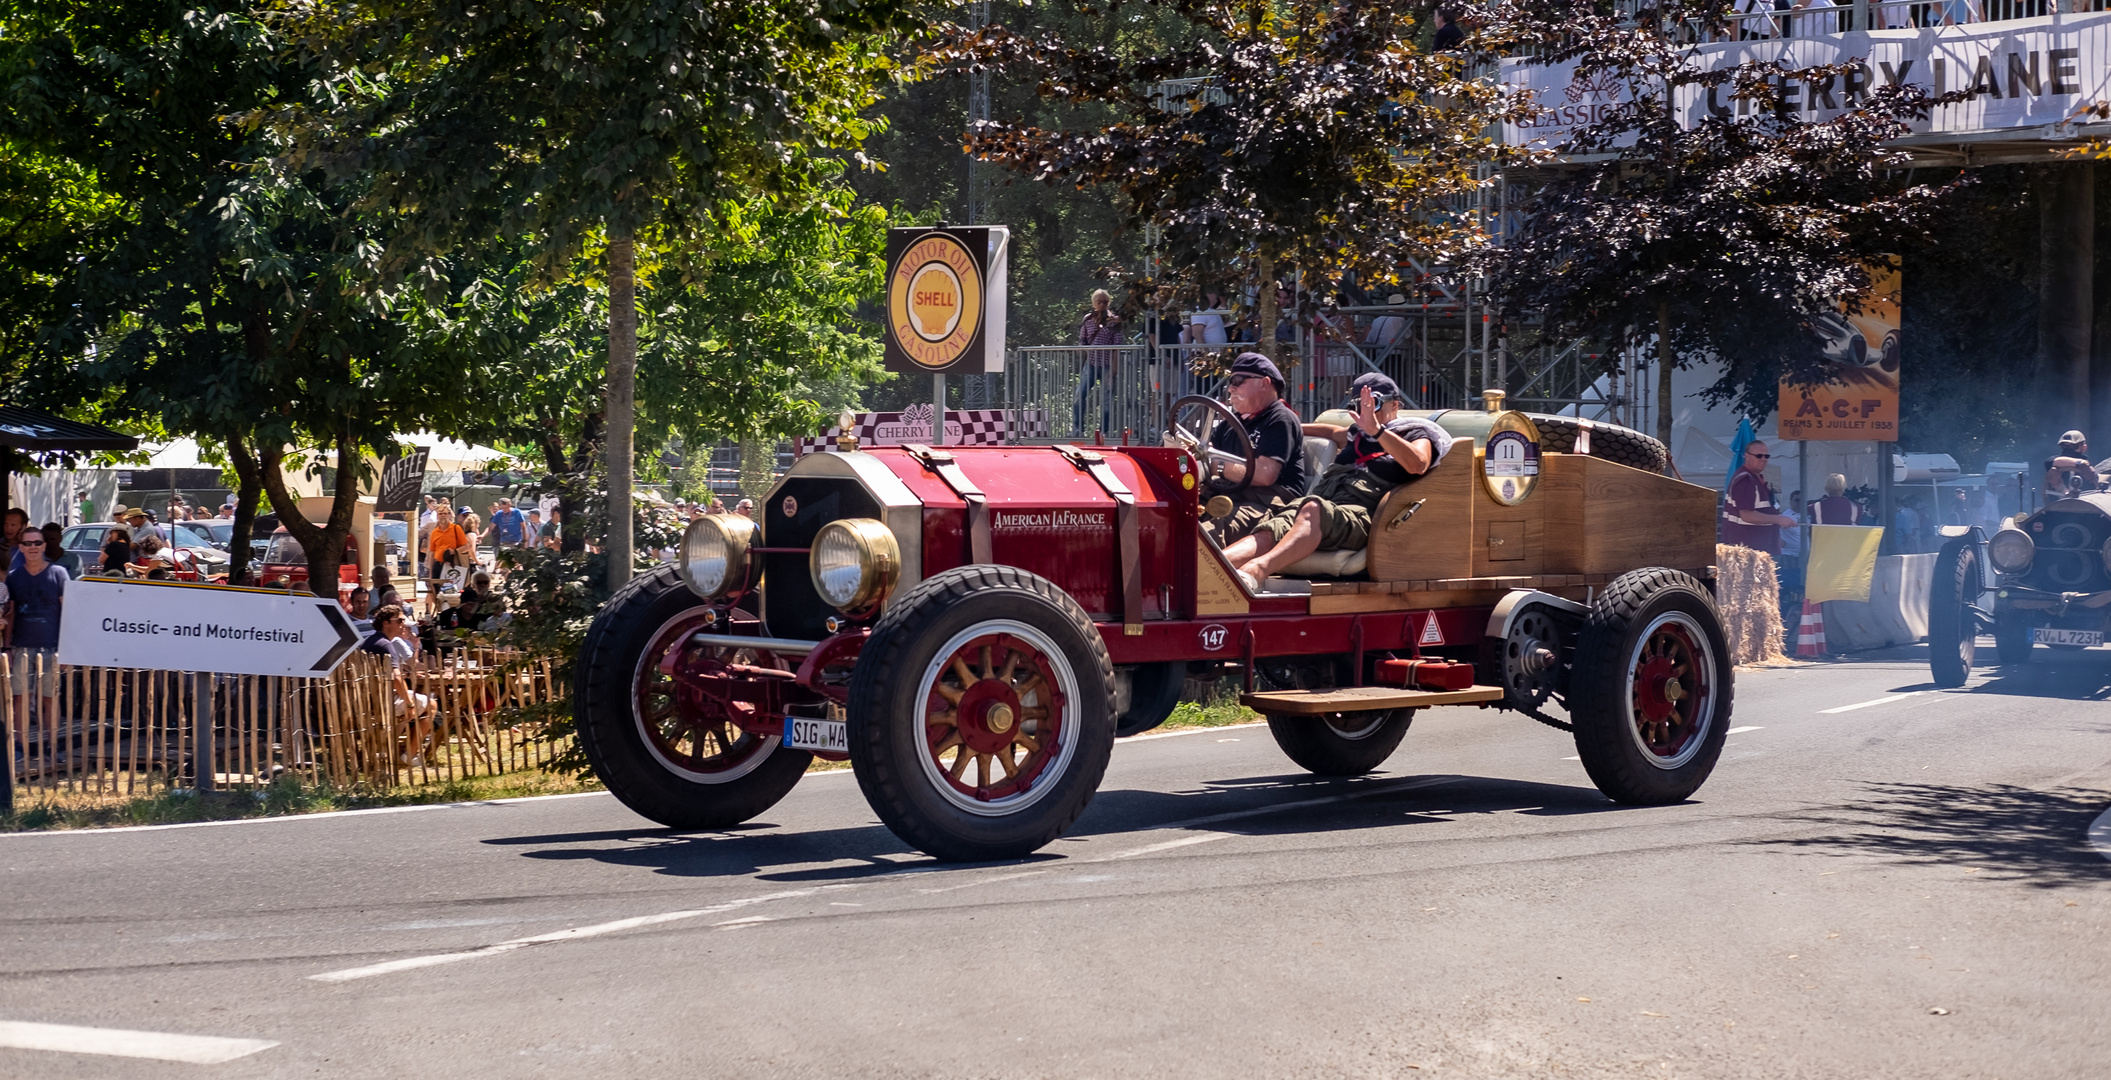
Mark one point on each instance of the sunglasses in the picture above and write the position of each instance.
(1761, 457)
(30, 543)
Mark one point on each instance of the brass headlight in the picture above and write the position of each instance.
(715, 554)
(2011, 551)
(855, 563)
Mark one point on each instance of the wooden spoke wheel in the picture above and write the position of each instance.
(669, 752)
(1671, 691)
(996, 716)
(981, 713)
(692, 736)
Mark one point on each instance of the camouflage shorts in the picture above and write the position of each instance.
(1247, 514)
(1346, 497)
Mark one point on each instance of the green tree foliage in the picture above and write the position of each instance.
(1720, 234)
(1312, 133)
(225, 299)
(575, 124)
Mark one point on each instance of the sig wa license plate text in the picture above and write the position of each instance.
(801, 733)
(2050, 635)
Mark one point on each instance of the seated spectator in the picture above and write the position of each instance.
(394, 634)
(117, 551)
(356, 606)
(151, 560)
(1337, 515)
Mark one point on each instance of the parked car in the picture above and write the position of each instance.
(285, 564)
(193, 560)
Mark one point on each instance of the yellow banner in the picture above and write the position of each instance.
(1860, 401)
(1842, 562)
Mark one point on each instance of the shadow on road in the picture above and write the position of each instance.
(2009, 833)
(1261, 805)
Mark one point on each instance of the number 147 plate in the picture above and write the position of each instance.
(2051, 635)
(802, 733)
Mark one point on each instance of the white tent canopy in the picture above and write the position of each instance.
(442, 454)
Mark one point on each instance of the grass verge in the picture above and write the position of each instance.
(283, 796)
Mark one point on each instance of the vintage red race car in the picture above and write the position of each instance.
(973, 627)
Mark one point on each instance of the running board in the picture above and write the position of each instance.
(1362, 699)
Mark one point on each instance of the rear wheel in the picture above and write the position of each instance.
(670, 755)
(1341, 744)
(982, 713)
(1154, 692)
(1953, 629)
(1651, 688)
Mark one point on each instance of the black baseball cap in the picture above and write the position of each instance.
(1381, 387)
(1253, 363)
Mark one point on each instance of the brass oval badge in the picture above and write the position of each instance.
(1510, 464)
(790, 506)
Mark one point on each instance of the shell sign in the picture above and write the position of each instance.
(946, 299)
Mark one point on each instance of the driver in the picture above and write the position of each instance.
(2068, 473)
(1337, 515)
(1255, 389)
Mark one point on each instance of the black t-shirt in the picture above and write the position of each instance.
(1276, 434)
(1366, 452)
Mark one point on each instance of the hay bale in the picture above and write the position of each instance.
(1748, 590)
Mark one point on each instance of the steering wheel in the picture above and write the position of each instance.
(1191, 422)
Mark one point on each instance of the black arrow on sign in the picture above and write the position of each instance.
(346, 637)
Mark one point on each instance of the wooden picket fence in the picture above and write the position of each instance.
(121, 733)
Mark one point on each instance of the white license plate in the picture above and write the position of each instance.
(801, 733)
(2052, 635)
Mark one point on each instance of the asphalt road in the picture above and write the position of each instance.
(1900, 889)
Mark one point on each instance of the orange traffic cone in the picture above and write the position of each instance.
(1810, 631)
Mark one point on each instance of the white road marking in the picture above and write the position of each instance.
(1184, 731)
(117, 1042)
(1573, 757)
(2100, 834)
(1148, 849)
(984, 881)
(435, 959)
(1369, 788)
(736, 924)
(1872, 701)
(1742, 730)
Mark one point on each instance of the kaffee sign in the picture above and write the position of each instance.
(946, 293)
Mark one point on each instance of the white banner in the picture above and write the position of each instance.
(177, 626)
(2021, 74)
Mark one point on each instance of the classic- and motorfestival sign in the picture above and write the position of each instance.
(177, 626)
(946, 292)
(2040, 73)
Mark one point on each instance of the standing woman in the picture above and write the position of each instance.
(1101, 327)
(117, 551)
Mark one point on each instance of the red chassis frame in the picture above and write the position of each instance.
(1072, 534)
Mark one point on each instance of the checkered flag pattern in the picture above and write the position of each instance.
(964, 427)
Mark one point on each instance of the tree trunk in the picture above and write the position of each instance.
(1267, 314)
(249, 490)
(1664, 373)
(621, 401)
(322, 544)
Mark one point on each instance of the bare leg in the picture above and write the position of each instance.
(1300, 541)
(1249, 547)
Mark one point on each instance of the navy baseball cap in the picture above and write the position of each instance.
(1254, 363)
(1382, 388)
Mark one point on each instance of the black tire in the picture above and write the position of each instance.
(611, 732)
(1953, 631)
(2012, 641)
(1642, 618)
(1341, 744)
(902, 770)
(1622, 446)
(1154, 692)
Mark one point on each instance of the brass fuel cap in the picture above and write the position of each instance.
(1219, 507)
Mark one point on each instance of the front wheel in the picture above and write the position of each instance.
(669, 754)
(1650, 696)
(1953, 629)
(1341, 744)
(982, 714)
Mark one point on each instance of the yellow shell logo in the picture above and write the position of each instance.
(934, 301)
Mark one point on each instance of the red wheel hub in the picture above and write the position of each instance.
(687, 727)
(993, 718)
(1670, 691)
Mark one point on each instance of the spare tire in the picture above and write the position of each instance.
(1620, 445)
